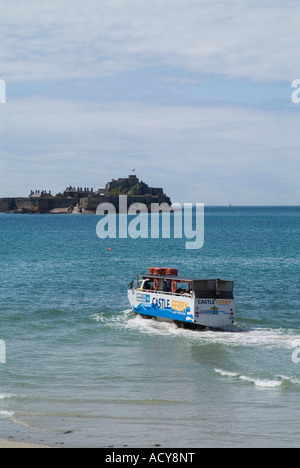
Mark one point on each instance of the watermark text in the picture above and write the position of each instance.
(2, 352)
(2, 92)
(296, 93)
(164, 222)
(296, 353)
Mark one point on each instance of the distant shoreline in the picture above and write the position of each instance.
(65, 211)
(86, 200)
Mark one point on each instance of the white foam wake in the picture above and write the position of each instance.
(277, 381)
(5, 396)
(267, 338)
(6, 414)
(259, 337)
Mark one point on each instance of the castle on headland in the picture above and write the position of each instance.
(87, 199)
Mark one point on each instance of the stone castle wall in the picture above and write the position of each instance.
(32, 205)
(86, 200)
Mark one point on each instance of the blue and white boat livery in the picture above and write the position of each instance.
(189, 302)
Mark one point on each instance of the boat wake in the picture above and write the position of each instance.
(235, 337)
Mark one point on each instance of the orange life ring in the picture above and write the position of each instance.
(174, 286)
(155, 284)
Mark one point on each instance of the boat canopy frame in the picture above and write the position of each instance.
(198, 288)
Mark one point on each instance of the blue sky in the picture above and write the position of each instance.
(193, 94)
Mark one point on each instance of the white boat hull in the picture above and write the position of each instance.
(183, 309)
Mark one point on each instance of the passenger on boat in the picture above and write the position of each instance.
(148, 286)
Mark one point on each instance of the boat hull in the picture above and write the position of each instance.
(183, 309)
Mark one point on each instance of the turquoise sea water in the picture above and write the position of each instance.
(81, 369)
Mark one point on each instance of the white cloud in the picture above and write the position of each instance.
(197, 154)
(74, 39)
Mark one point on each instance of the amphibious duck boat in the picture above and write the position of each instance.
(189, 302)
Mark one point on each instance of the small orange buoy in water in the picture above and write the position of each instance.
(109, 249)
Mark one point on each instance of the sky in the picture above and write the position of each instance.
(195, 95)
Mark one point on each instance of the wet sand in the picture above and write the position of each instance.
(12, 444)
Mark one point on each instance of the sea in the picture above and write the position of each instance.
(80, 369)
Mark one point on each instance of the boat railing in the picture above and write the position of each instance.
(170, 293)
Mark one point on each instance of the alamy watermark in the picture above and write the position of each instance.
(2, 92)
(296, 93)
(186, 221)
(296, 353)
(2, 352)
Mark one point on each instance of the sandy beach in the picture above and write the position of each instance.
(12, 444)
